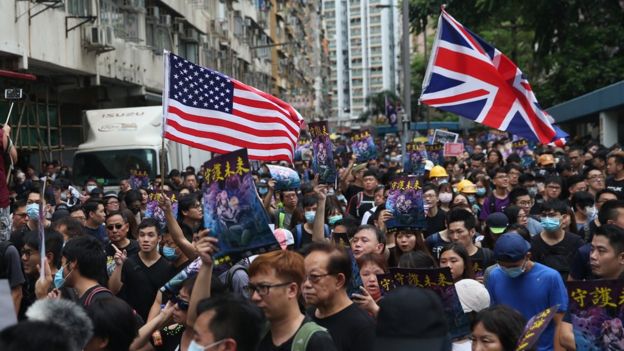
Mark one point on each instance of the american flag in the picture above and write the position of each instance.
(471, 78)
(211, 111)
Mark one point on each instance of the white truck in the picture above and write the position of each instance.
(121, 139)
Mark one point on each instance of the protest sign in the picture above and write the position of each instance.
(414, 162)
(405, 202)
(435, 153)
(232, 209)
(363, 146)
(453, 149)
(153, 209)
(323, 160)
(139, 179)
(535, 327)
(285, 178)
(303, 149)
(597, 312)
(440, 281)
(444, 136)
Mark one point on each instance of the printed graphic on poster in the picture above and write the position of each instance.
(323, 160)
(440, 281)
(444, 136)
(597, 311)
(453, 149)
(139, 179)
(535, 327)
(303, 150)
(522, 148)
(285, 178)
(232, 210)
(153, 209)
(415, 161)
(435, 153)
(405, 202)
(363, 146)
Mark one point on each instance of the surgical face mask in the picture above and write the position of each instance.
(472, 199)
(591, 212)
(481, 192)
(59, 280)
(550, 224)
(442, 181)
(341, 198)
(532, 191)
(263, 190)
(194, 346)
(32, 210)
(64, 196)
(445, 198)
(170, 253)
(309, 216)
(333, 219)
(514, 272)
(90, 188)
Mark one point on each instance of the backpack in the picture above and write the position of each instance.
(359, 200)
(229, 275)
(4, 270)
(92, 293)
(304, 334)
(299, 234)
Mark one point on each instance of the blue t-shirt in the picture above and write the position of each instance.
(99, 233)
(530, 293)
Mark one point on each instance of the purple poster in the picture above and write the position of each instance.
(139, 179)
(153, 210)
(435, 153)
(363, 146)
(597, 311)
(323, 161)
(415, 161)
(535, 327)
(405, 202)
(232, 209)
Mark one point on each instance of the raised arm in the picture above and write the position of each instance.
(318, 228)
(114, 283)
(206, 247)
(174, 228)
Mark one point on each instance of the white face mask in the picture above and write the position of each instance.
(445, 198)
(193, 346)
(90, 188)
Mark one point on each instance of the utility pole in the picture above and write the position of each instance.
(407, 103)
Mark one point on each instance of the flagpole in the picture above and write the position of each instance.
(165, 105)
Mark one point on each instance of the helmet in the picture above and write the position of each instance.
(438, 171)
(466, 186)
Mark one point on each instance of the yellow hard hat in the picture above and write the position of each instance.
(466, 186)
(438, 171)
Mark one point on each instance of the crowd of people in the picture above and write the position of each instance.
(511, 233)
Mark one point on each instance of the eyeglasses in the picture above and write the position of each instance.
(114, 226)
(26, 252)
(262, 289)
(525, 203)
(182, 304)
(315, 278)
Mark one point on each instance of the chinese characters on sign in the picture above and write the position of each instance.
(535, 327)
(363, 146)
(405, 202)
(323, 161)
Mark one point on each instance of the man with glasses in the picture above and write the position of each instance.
(520, 197)
(555, 247)
(111, 202)
(117, 229)
(275, 280)
(595, 180)
(328, 272)
(514, 171)
(499, 199)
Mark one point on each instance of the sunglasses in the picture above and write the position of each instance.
(182, 304)
(114, 226)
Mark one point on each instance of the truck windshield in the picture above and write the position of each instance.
(110, 167)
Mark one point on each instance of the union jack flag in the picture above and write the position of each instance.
(471, 78)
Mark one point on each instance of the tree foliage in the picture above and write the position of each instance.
(566, 47)
(376, 104)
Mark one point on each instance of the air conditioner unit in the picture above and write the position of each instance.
(101, 36)
(165, 20)
(203, 39)
(180, 27)
(153, 11)
(248, 21)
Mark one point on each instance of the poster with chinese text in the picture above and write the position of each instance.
(323, 160)
(139, 179)
(405, 202)
(435, 153)
(535, 327)
(363, 146)
(153, 209)
(415, 159)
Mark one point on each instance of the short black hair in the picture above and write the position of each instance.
(113, 320)
(185, 203)
(89, 253)
(91, 206)
(606, 191)
(496, 171)
(555, 205)
(618, 157)
(615, 235)
(379, 234)
(48, 336)
(553, 179)
(526, 177)
(150, 222)
(339, 259)
(430, 186)
(371, 173)
(53, 244)
(506, 323)
(609, 211)
(582, 199)
(236, 318)
(573, 180)
(416, 259)
(461, 215)
(515, 166)
(310, 200)
(461, 251)
(118, 213)
(73, 227)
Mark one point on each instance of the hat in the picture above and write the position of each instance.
(359, 167)
(511, 247)
(284, 237)
(546, 159)
(438, 171)
(466, 186)
(473, 296)
(96, 191)
(111, 194)
(399, 330)
(497, 222)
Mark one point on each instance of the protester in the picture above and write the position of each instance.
(368, 239)
(370, 265)
(364, 200)
(497, 328)
(456, 258)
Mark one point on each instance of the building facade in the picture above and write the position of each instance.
(75, 55)
(364, 41)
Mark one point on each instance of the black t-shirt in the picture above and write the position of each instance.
(435, 243)
(560, 256)
(436, 223)
(359, 204)
(171, 338)
(352, 189)
(617, 186)
(482, 259)
(318, 341)
(142, 282)
(131, 249)
(352, 329)
(101, 294)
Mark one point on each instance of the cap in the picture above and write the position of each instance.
(473, 295)
(546, 159)
(284, 237)
(398, 330)
(497, 222)
(110, 194)
(359, 167)
(511, 247)
(466, 186)
(95, 191)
